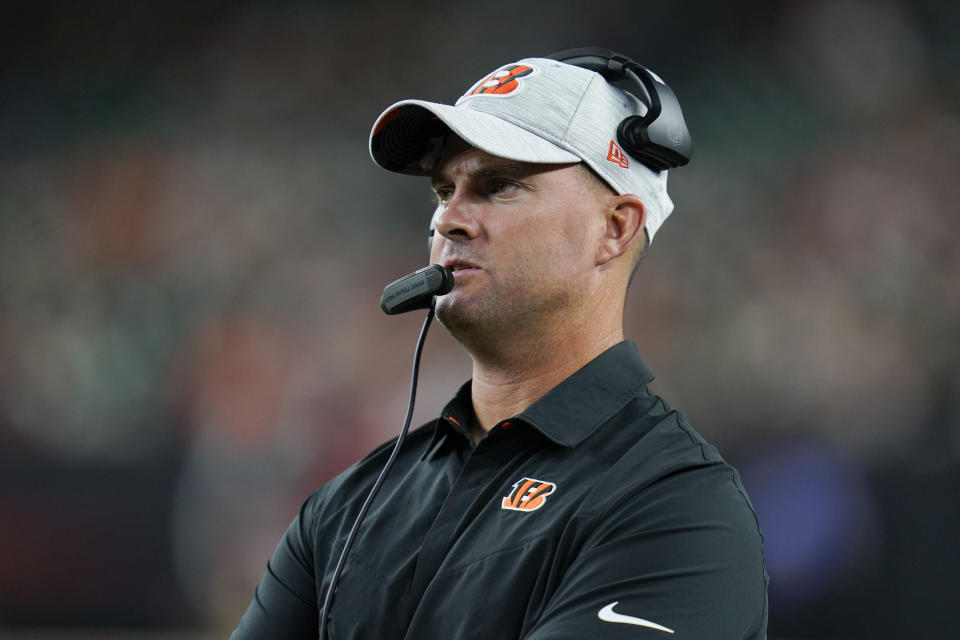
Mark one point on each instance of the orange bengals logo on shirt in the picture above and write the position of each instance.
(503, 81)
(527, 494)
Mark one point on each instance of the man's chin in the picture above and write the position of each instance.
(457, 313)
(449, 311)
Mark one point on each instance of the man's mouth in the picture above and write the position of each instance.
(460, 267)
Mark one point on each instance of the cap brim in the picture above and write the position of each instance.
(407, 136)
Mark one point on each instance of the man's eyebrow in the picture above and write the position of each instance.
(506, 170)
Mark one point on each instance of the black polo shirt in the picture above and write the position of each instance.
(596, 513)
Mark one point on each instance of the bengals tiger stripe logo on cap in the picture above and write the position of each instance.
(501, 82)
(527, 494)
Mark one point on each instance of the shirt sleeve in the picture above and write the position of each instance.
(284, 603)
(679, 559)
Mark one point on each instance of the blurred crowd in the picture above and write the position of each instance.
(193, 240)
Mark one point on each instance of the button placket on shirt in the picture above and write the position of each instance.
(491, 461)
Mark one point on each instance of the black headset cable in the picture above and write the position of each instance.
(332, 587)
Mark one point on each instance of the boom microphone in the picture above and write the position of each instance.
(416, 290)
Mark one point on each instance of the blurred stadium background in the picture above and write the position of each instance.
(193, 241)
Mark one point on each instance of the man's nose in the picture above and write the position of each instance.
(457, 219)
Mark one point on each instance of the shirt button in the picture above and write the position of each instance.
(506, 425)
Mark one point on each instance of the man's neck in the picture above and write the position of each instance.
(508, 382)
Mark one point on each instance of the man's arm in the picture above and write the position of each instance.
(285, 603)
(681, 559)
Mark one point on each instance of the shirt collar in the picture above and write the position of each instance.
(453, 425)
(571, 411)
(576, 407)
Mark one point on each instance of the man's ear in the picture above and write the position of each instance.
(625, 220)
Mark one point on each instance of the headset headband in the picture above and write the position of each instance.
(659, 138)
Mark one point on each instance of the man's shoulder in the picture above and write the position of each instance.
(356, 480)
(657, 459)
(659, 490)
(661, 441)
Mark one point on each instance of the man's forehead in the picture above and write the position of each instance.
(486, 166)
(459, 157)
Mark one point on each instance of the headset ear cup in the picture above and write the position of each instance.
(659, 139)
(631, 134)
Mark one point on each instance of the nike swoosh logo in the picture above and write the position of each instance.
(607, 614)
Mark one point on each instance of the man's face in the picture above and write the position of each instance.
(521, 239)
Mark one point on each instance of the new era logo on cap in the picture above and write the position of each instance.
(617, 156)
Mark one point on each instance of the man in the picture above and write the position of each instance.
(556, 496)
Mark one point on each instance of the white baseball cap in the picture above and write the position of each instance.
(535, 110)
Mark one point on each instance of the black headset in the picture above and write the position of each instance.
(659, 138)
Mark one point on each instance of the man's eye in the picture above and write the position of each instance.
(500, 187)
(442, 196)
